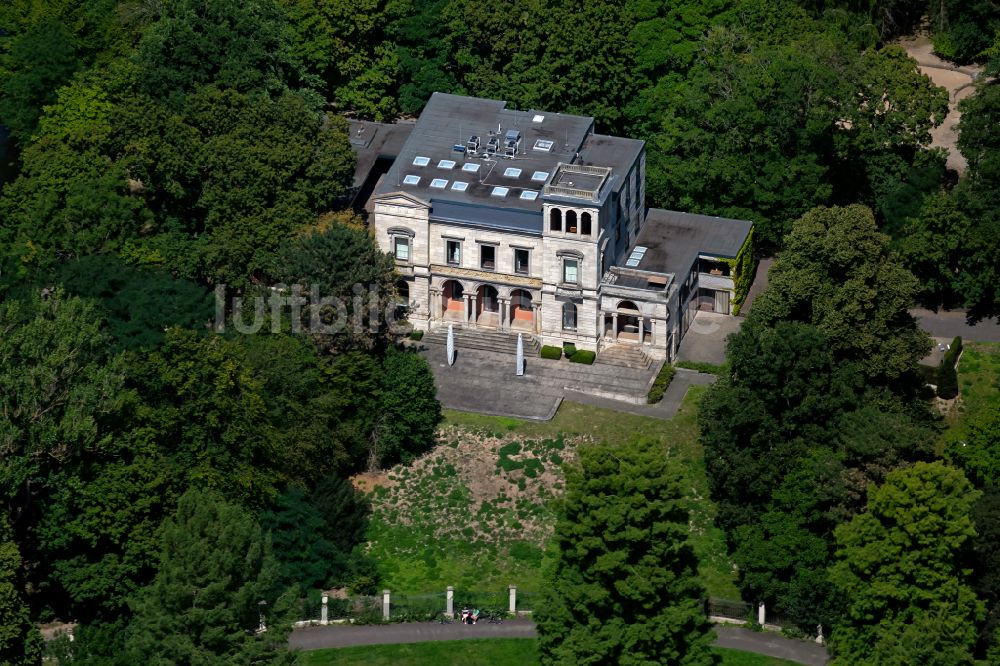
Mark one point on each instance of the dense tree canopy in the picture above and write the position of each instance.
(215, 586)
(623, 587)
(901, 569)
(839, 274)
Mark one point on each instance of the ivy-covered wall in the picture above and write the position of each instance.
(742, 270)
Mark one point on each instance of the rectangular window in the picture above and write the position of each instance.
(454, 253)
(521, 261)
(487, 257)
(570, 272)
(402, 249)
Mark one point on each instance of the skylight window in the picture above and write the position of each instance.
(446, 164)
(512, 172)
(411, 180)
(470, 167)
(529, 195)
(538, 119)
(636, 256)
(439, 183)
(420, 160)
(544, 145)
(500, 191)
(460, 186)
(540, 176)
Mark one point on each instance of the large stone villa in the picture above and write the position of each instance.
(530, 221)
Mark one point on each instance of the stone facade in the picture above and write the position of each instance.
(553, 262)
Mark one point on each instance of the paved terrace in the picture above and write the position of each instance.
(486, 383)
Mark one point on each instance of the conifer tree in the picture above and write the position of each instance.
(623, 588)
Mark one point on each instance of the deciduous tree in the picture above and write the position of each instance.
(903, 563)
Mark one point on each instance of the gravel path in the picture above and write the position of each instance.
(337, 636)
(958, 81)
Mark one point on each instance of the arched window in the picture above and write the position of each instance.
(403, 288)
(585, 224)
(571, 221)
(555, 220)
(569, 316)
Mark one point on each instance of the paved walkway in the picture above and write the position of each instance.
(337, 636)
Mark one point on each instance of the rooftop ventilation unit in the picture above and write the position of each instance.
(512, 135)
(493, 146)
(472, 144)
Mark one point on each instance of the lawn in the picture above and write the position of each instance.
(979, 376)
(979, 387)
(476, 511)
(500, 652)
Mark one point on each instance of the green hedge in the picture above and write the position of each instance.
(416, 334)
(583, 356)
(947, 377)
(569, 349)
(551, 353)
(709, 368)
(951, 356)
(947, 383)
(660, 384)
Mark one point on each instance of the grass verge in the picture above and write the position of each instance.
(498, 652)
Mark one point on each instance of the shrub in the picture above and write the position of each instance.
(569, 349)
(660, 384)
(947, 383)
(416, 334)
(551, 353)
(583, 356)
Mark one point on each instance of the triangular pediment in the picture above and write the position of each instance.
(401, 199)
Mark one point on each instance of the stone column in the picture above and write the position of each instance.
(537, 317)
(512, 590)
(642, 329)
(504, 309)
(324, 617)
(614, 326)
(385, 604)
(449, 604)
(761, 613)
(473, 315)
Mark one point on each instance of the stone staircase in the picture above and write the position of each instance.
(484, 339)
(624, 356)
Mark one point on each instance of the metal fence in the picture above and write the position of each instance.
(729, 609)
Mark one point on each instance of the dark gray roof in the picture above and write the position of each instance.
(501, 219)
(674, 240)
(450, 120)
(374, 140)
